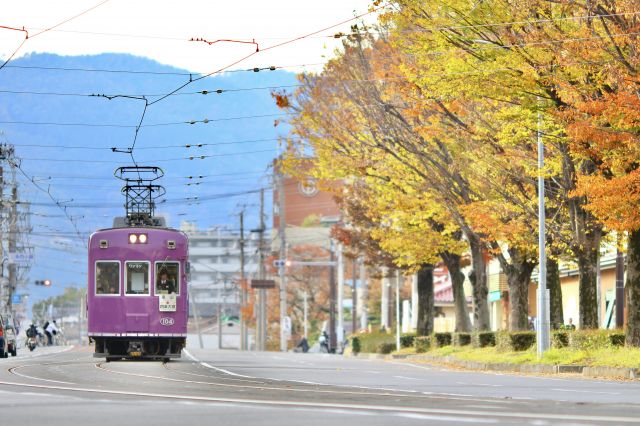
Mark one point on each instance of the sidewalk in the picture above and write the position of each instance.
(450, 361)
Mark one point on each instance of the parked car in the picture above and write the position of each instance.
(4, 350)
(8, 342)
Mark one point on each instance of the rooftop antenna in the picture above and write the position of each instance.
(140, 193)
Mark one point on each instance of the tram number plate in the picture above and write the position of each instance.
(167, 303)
(137, 353)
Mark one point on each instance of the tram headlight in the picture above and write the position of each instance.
(137, 238)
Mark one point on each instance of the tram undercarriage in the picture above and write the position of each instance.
(163, 348)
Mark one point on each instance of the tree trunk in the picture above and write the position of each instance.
(452, 261)
(555, 293)
(588, 300)
(518, 270)
(478, 278)
(425, 300)
(632, 288)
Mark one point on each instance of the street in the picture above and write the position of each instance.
(66, 385)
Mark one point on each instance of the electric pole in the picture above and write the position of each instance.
(262, 293)
(283, 257)
(13, 234)
(243, 290)
(340, 332)
(354, 297)
(332, 301)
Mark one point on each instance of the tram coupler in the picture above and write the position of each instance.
(135, 349)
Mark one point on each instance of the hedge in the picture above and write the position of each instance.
(422, 343)
(386, 348)
(406, 340)
(461, 339)
(355, 344)
(441, 339)
(369, 342)
(560, 339)
(483, 339)
(515, 341)
(595, 339)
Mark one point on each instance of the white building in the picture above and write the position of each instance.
(214, 255)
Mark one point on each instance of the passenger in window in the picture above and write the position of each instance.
(166, 285)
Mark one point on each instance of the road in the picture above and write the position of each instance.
(62, 386)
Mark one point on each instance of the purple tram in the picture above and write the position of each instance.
(137, 299)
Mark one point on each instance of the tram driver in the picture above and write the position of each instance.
(165, 285)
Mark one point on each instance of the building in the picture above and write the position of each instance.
(214, 256)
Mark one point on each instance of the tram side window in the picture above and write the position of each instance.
(167, 278)
(107, 278)
(137, 274)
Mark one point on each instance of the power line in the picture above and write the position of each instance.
(132, 126)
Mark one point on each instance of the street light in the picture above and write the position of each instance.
(542, 330)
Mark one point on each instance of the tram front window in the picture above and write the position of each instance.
(137, 274)
(107, 278)
(167, 278)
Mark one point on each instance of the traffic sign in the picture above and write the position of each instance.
(20, 258)
(263, 284)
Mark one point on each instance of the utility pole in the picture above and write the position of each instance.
(542, 331)
(262, 293)
(332, 301)
(243, 290)
(364, 295)
(619, 289)
(3, 282)
(398, 278)
(340, 332)
(354, 297)
(13, 235)
(196, 318)
(283, 256)
(306, 313)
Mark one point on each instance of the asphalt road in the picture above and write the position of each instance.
(62, 386)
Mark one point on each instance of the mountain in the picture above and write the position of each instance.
(72, 152)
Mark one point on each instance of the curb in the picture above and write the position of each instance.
(585, 371)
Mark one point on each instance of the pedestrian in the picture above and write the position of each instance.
(304, 345)
(51, 330)
(571, 325)
(47, 333)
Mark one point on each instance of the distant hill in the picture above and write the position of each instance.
(98, 191)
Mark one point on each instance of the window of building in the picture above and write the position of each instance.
(137, 278)
(108, 278)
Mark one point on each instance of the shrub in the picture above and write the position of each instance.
(617, 339)
(515, 341)
(406, 340)
(355, 344)
(369, 342)
(422, 343)
(482, 339)
(560, 339)
(595, 339)
(461, 339)
(386, 348)
(441, 339)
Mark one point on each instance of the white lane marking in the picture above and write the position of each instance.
(222, 370)
(13, 371)
(433, 395)
(586, 391)
(479, 384)
(316, 404)
(406, 378)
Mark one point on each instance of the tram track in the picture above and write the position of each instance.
(187, 381)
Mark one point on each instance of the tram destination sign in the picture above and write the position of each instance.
(263, 284)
